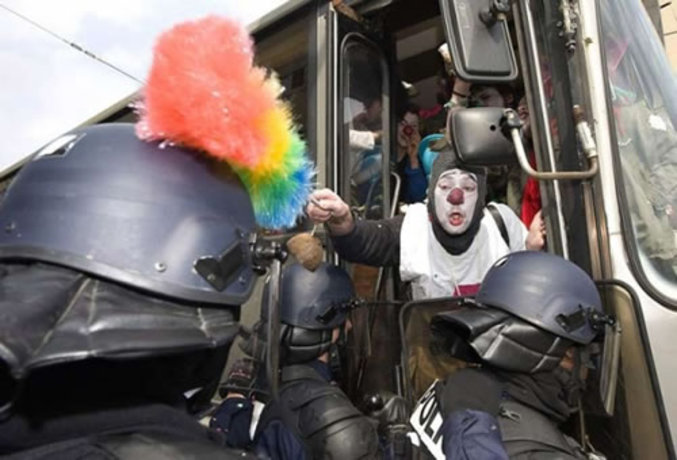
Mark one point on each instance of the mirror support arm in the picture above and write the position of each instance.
(497, 11)
(513, 123)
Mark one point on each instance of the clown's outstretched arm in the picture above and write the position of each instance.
(369, 242)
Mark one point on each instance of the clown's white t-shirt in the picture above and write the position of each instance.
(433, 272)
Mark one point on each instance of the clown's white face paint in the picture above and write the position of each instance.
(455, 200)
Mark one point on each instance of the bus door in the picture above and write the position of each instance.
(582, 215)
(358, 107)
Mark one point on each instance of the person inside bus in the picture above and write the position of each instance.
(463, 94)
(312, 417)
(364, 127)
(467, 95)
(104, 357)
(433, 119)
(529, 338)
(365, 123)
(645, 112)
(442, 248)
(408, 166)
(521, 188)
(520, 193)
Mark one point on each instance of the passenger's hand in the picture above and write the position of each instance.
(412, 150)
(443, 49)
(461, 87)
(536, 237)
(325, 206)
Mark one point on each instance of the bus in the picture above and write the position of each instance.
(602, 101)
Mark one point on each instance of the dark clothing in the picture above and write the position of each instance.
(283, 432)
(278, 442)
(323, 369)
(647, 147)
(554, 394)
(528, 434)
(471, 434)
(525, 427)
(414, 182)
(372, 242)
(144, 431)
(319, 415)
(274, 440)
(93, 369)
(232, 418)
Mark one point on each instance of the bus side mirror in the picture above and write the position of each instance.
(478, 138)
(479, 40)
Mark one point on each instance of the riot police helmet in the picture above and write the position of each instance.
(312, 305)
(531, 307)
(149, 215)
(118, 249)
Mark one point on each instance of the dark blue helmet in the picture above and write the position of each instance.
(312, 304)
(317, 299)
(546, 291)
(155, 217)
(531, 307)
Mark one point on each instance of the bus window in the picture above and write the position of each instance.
(643, 97)
(362, 157)
(286, 52)
(364, 110)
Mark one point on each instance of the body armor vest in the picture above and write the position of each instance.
(528, 434)
(321, 417)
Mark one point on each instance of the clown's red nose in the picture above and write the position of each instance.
(455, 196)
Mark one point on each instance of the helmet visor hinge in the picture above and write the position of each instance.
(222, 270)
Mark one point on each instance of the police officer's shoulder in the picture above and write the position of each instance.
(150, 446)
(162, 446)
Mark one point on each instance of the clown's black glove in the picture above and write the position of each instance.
(470, 389)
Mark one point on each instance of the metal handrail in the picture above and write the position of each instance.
(393, 209)
(584, 135)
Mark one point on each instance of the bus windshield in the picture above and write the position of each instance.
(644, 109)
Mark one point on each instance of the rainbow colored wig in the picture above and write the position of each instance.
(205, 92)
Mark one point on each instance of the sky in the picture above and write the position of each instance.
(47, 87)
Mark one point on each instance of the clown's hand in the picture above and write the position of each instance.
(536, 236)
(325, 206)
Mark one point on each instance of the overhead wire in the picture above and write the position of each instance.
(70, 43)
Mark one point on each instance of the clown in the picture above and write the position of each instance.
(443, 248)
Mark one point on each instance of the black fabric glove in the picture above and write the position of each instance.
(470, 389)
